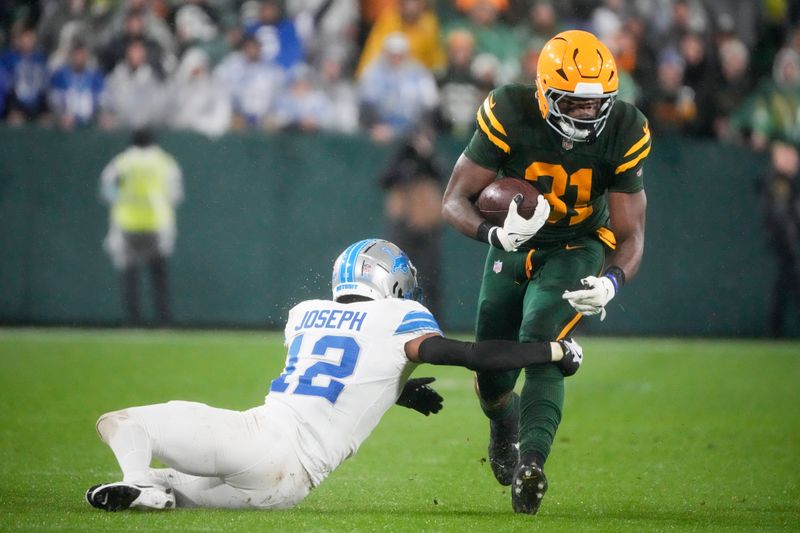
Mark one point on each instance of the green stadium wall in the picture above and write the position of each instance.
(265, 215)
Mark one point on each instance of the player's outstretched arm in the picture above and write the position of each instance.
(495, 354)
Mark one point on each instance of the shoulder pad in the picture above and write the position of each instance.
(501, 110)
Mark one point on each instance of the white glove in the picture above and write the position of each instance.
(572, 358)
(594, 296)
(517, 229)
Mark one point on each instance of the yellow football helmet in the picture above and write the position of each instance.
(573, 66)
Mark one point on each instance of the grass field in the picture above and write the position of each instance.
(657, 435)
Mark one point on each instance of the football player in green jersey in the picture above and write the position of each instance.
(584, 152)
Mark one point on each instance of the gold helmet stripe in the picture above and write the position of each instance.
(492, 137)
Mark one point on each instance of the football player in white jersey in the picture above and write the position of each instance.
(348, 362)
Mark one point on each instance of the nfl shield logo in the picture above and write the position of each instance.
(497, 267)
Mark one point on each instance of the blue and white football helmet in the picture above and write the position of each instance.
(374, 269)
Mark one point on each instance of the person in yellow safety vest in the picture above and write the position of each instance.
(142, 185)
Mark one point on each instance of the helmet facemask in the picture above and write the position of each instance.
(577, 129)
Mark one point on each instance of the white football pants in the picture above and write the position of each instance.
(219, 458)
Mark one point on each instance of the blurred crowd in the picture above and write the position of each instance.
(709, 68)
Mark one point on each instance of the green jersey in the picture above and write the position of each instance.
(513, 139)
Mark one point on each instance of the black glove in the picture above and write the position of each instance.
(419, 396)
(573, 357)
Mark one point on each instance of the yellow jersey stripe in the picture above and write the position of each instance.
(492, 137)
(570, 325)
(633, 162)
(496, 123)
(641, 142)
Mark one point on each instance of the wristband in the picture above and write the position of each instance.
(617, 277)
(483, 231)
(487, 232)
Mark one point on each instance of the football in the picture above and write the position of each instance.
(494, 200)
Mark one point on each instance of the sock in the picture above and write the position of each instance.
(131, 446)
(498, 411)
(540, 410)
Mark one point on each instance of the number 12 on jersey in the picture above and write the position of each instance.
(350, 351)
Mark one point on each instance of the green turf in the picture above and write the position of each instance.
(657, 435)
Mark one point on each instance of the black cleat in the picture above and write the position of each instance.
(120, 496)
(88, 495)
(528, 488)
(503, 444)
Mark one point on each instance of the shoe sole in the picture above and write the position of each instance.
(113, 497)
(529, 486)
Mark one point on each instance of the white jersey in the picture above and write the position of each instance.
(345, 368)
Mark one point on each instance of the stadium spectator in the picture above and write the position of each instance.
(196, 24)
(685, 17)
(623, 45)
(528, 64)
(701, 74)
(196, 100)
(273, 455)
(773, 111)
(302, 105)
(340, 90)
(26, 68)
(134, 95)
(396, 92)
(142, 185)
(420, 26)
(636, 57)
(780, 208)
(323, 24)
(540, 22)
(62, 21)
(153, 27)
(460, 91)
(540, 273)
(115, 51)
(486, 69)
(735, 84)
(251, 83)
(412, 181)
(75, 90)
(277, 36)
(607, 19)
(672, 107)
(491, 36)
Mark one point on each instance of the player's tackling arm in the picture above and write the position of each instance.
(627, 212)
(493, 354)
(466, 183)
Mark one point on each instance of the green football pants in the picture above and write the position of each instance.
(520, 299)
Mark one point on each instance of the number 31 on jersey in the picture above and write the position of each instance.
(580, 179)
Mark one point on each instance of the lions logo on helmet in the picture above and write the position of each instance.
(576, 65)
(374, 269)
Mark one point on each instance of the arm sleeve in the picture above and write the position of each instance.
(484, 355)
